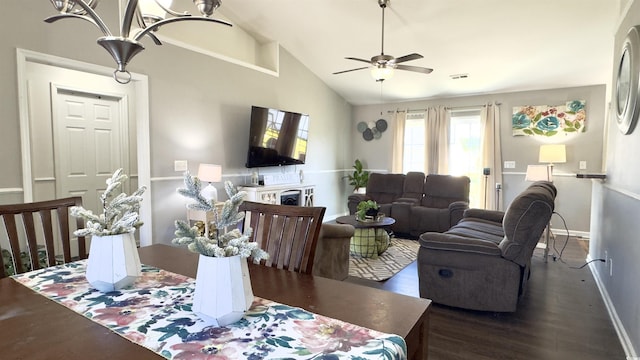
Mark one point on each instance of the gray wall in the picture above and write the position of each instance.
(199, 109)
(615, 226)
(586, 146)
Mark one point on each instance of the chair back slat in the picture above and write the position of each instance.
(32, 240)
(288, 233)
(14, 244)
(40, 234)
(47, 226)
(63, 216)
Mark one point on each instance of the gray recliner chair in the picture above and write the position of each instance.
(483, 262)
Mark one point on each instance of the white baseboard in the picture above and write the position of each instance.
(627, 345)
(575, 233)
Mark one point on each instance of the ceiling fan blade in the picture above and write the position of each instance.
(357, 59)
(345, 71)
(409, 57)
(414, 68)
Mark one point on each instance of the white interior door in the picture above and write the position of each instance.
(90, 142)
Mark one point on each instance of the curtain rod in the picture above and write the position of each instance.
(448, 107)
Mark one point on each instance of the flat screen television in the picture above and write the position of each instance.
(277, 137)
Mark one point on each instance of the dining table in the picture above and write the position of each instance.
(33, 326)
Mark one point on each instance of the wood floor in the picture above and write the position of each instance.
(561, 316)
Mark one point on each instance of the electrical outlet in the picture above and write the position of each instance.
(509, 164)
(180, 165)
(583, 165)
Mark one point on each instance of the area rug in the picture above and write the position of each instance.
(400, 253)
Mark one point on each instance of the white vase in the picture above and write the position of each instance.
(113, 262)
(223, 289)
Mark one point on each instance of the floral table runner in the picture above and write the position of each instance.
(155, 313)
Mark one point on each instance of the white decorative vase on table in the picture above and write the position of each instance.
(223, 290)
(113, 262)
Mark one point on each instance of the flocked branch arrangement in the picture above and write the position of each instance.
(119, 212)
(220, 243)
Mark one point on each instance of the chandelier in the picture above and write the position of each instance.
(149, 14)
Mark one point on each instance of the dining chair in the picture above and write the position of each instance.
(288, 233)
(20, 223)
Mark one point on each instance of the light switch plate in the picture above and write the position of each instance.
(180, 165)
(509, 164)
(583, 165)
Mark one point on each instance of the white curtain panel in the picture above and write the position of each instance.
(491, 155)
(437, 121)
(398, 142)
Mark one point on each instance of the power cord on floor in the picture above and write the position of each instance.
(564, 246)
(587, 263)
(559, 253)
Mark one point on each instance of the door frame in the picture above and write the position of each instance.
(141, 106)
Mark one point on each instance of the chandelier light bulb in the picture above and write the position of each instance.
(154, 10)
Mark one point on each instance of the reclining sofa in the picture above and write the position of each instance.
(417, 203)
(483, 262)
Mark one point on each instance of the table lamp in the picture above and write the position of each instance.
(210, 173)
(550, 154)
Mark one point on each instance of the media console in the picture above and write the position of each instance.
(281, 194)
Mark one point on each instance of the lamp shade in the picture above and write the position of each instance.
(538, 173)
(210, 172)
(553, 154)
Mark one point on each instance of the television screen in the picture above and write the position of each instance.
(277, 137)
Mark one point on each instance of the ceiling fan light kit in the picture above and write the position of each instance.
(381, 73)
(383, 66)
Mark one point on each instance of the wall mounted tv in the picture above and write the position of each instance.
(277, 137)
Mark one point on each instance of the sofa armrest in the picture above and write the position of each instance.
(456, 211)
(333, 231)
(439, 241)
(354, 199)
(402, 213)
(489, 215)
(332, 251)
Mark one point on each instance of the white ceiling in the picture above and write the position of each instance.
(503, 45)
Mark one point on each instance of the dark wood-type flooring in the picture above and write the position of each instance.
(561, 316)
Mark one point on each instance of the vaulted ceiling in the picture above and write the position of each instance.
(502, 45)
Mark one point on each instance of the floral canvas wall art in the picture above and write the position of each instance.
(544, 120)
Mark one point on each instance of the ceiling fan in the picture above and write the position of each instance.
(382, 66)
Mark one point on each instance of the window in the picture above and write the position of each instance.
(465, 154)
(414, 143)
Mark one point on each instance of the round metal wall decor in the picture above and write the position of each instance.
(626, 99)
(367, 134)
(372, 130)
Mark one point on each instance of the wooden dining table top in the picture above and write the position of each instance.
(34, 327)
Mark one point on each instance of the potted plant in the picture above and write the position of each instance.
(223, 290)
(113, 255)
(367, 210)
(359, 178)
